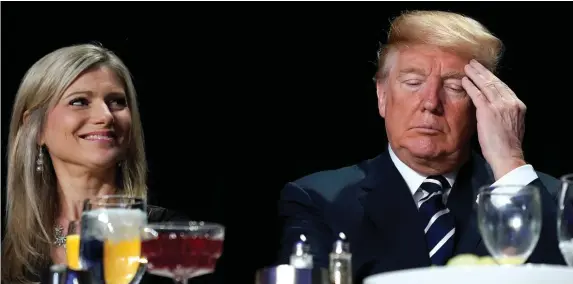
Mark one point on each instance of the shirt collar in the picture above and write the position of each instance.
(414, 179)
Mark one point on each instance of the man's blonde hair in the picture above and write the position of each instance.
(448, 31)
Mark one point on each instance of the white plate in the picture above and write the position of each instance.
(526, 274)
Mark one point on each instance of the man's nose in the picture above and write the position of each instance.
(431, 97)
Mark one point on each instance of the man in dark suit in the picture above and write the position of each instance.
(414, 204)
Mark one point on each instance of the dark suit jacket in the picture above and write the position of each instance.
(371, 203)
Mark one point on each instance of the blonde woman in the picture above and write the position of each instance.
(75, 133)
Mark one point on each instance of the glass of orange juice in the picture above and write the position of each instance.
(121, 259)
(110, 242)
(73, 245)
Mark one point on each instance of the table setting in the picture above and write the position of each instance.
(509, 221)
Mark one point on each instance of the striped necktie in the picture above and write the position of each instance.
(438, 221)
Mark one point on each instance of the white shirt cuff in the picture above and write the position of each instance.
(523, 175)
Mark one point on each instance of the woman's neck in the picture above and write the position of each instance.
(71, 199)
(76, 185)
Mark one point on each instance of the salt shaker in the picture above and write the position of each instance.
(301, 257)
(57, 274)
(340, 261)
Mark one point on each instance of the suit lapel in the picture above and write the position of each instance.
(392, 235)
(461, 203)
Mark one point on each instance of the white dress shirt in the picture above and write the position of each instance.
(519, 176)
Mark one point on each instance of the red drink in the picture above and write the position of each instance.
(179, 255)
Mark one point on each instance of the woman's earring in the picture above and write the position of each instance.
(40, 161)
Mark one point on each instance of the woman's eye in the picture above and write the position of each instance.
(118, 103)
(79, 102)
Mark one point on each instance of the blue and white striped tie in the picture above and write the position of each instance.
(439, 222)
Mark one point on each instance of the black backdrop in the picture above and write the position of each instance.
(239, 98)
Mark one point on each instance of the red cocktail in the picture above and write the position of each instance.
(182, 250)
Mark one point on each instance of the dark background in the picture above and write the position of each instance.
(239, 98)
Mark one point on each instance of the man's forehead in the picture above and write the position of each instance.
(444, 73)
(426, 59)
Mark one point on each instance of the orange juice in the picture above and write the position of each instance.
(121, 260)
(73, 251)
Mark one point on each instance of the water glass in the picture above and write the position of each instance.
(509, 220)
(565, 218)
(110, 238)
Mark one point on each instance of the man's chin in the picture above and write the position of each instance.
(425, 160)
(423, 148)
(424, 154)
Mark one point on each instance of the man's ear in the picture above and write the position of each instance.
(382, 96)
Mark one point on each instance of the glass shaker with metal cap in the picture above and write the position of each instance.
(340, 266)
(58, 274)
(301, 257)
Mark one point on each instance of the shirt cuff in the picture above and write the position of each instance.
(523, 175)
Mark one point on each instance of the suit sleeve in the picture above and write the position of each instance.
(300, 214)
(547, 249)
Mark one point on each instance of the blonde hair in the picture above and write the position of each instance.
(448, 31)
(32, 203)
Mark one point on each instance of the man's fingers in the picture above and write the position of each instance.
(486, 87)
(481, 69)
(475, 94)
(486, 81)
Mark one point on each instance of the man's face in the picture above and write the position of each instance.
(428, 114)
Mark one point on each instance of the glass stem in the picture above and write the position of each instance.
(180, 280)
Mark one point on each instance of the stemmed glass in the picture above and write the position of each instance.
(565, 218)
(182, 250)
(110, 238)
(509, 220)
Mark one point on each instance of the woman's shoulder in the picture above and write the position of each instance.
(160, 214)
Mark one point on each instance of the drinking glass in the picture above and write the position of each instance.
(565, 219)
(58, 274)
(110, 238)
(73, 245)
(74, 273)
(509, 220)
(182, 250)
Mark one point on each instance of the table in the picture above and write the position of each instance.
(494, 274)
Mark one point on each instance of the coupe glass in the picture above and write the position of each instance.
(110, 238)
(182, 250)
(565, 219)
(509, 220)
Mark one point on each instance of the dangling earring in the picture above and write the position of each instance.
(40, 161)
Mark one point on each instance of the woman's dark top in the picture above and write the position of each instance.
(154, 214)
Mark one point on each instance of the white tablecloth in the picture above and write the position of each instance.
(526, 274)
